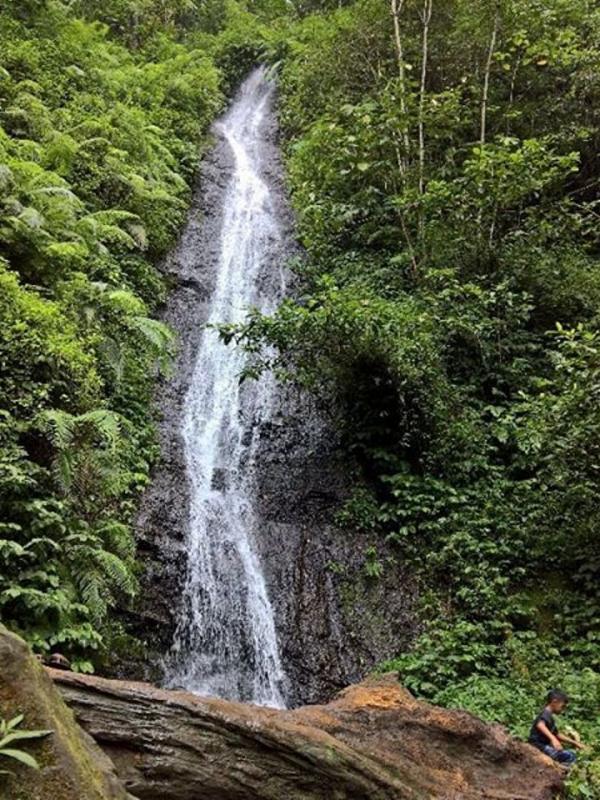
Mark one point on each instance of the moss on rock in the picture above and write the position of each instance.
(72, 766)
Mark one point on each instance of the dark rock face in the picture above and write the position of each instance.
(333, 623)
(373, 742)
(73, 767)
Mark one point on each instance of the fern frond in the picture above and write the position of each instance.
(125, 301)
(113, 353)
(63, 468)
(118, 539)
(91, 587)
(158, 335)
(12, 550)
(115, 571)
(106, 423)
(60, 425)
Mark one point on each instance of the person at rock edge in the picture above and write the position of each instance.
(544, 733)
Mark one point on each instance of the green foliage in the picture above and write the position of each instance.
(244, 41)
(10, 735)
(373, 567)
(103, 110)
(515, 700)
(446, 199)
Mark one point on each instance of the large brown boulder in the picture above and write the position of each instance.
(73, 767)
(373, 742)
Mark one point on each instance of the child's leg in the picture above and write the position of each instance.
(566, 757)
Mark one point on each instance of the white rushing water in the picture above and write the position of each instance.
(226, 642)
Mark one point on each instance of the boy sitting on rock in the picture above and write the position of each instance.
(544, 733)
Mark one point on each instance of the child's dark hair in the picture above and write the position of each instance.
(557, 694)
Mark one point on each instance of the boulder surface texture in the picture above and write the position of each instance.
(73, 767)
(373, 742)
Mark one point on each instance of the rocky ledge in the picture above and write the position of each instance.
(373, 742)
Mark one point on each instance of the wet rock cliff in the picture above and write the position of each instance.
(333, 622)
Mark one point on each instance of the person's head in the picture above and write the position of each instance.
(557, 701)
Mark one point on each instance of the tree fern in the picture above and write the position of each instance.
(61, 427)
(107, 424)
(102, 228)
(66, 428)
(80, 443)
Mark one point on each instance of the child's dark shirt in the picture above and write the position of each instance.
(536, 737)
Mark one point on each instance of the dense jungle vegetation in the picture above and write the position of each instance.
(103, 109)
(443, 161)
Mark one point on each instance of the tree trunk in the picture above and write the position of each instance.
(425, 19)
(397, 6)
(486, 78)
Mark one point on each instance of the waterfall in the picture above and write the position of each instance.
(225, 643)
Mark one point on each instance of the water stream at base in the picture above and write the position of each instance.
(225, 644)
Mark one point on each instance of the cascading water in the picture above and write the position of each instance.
(226, 643)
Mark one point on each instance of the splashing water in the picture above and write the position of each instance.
(226, 643)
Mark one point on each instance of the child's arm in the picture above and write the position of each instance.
(569, 740)
(552, 739)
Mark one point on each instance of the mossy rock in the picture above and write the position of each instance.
(72, 766)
